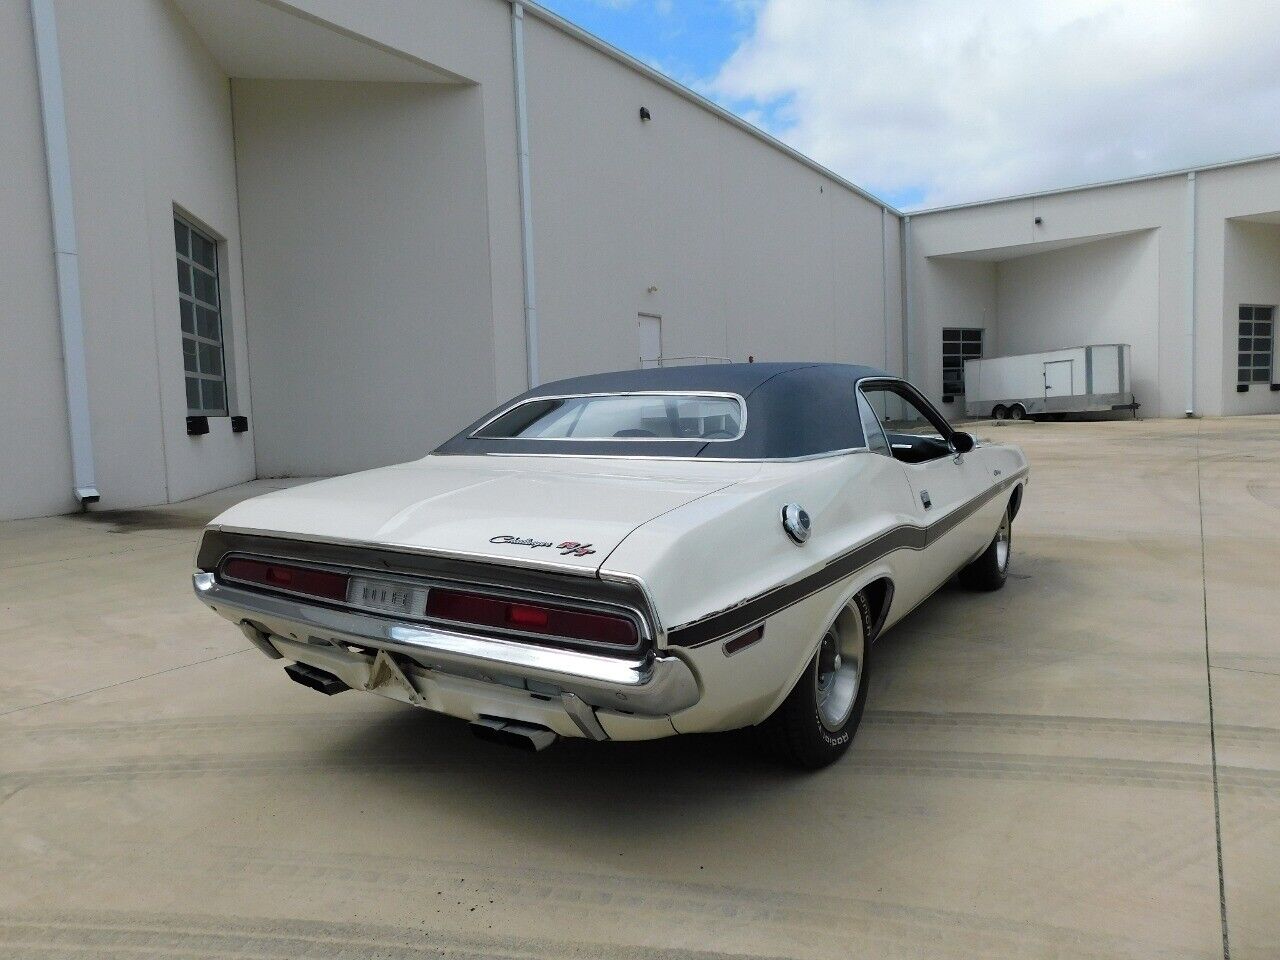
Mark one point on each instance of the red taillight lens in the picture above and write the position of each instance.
(530, 618)
(313, 583)
(481, 611)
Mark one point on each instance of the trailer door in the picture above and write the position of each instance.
(1058, 379)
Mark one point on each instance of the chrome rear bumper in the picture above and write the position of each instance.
(650, 686)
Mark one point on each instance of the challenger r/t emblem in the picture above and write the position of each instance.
(567, 549)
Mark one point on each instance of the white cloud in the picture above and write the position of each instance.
(958, 101)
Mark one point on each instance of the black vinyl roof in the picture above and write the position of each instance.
(793, 410)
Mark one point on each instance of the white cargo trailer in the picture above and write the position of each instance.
(1091, 379)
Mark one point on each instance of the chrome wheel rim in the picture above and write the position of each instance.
(1003, 539)
(838, 671)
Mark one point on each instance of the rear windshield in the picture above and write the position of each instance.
(624, 416)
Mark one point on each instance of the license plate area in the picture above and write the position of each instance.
(387, 596)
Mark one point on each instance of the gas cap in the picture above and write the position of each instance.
(795, 520)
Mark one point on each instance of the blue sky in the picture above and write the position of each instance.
(923, 106)
(687, 39)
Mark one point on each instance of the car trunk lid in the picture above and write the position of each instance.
(564, 513)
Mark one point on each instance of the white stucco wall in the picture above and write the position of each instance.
(1128, 288)
(470, 38)
(383, 256)
(35, 452)
(367, 269)
(750, 252)
(1132, 289)
(149, 116)
(1100, 292)
(1252, 258)
(1229, 273)
(954, 293)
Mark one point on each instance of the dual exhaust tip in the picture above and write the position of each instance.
(511, 733)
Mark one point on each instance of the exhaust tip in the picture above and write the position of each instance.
(315, 678)
(522, 736)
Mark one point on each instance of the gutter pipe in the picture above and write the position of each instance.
(1191, 294)
(531, 348)
(65, 254)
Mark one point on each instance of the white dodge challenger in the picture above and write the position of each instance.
(630, 555)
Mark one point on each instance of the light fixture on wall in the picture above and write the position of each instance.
(645, 115)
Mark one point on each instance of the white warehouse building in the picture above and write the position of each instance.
(255, 238)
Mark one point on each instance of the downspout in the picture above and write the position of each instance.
(908, 294)
(884, 282)
(526, 196)
(1191, 294)
(65, 260)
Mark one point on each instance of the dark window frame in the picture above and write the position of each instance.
(1255, 344)
(958, 345)
(200, 320)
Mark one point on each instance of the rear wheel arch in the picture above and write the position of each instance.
(879, 597)
(801, 731)
(1015, 502)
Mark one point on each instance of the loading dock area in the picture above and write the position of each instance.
(1035, 776)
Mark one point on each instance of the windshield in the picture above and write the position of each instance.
(629, 416)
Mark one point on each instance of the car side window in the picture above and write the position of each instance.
(877, 442)
(914, 436)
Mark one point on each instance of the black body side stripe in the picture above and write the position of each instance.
(765, 605)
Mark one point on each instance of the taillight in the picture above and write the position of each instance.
(282, 576)
(481, 611)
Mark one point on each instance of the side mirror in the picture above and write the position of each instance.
(963, 442)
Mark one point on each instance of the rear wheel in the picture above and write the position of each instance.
(1017, 412)
(990, 570)
(999, 413)
(815, 724)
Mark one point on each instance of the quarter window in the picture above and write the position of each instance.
(877, 442)
(958, 345)
(200, 314)
(1254, 354)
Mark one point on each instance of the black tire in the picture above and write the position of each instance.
(1017, 412)
(796, 732)
(990, 570)
(999, 413)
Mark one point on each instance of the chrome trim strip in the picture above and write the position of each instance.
(742, 424)
(650, 686)
(540, 565)
(659, 635)
(826, 454)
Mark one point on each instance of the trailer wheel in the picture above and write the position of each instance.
(1017, 412)
(999, 413)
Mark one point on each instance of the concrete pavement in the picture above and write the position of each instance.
(1034, 777)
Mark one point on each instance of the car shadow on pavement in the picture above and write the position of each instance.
(435, 764)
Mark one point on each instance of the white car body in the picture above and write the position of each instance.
(696, 546)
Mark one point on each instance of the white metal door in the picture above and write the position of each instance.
(1059, 378)
(650, 340)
